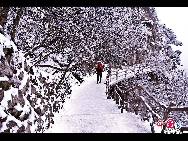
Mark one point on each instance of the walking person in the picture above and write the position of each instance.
(99, 70)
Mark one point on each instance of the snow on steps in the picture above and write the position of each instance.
(89, 111)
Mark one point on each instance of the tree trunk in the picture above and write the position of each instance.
(16, 22)
(3, 15)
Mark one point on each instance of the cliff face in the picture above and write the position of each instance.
(27, 93)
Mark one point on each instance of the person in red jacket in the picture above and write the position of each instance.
(99, 69)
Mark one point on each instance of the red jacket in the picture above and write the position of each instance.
(99, 67)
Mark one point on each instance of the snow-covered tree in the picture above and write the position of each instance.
(61, 43)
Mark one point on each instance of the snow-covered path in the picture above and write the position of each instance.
(89, 111)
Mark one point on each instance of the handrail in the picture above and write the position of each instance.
(121, 102)
(143, 99)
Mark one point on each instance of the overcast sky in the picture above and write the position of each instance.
(176, 19)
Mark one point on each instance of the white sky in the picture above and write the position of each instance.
(176, 19)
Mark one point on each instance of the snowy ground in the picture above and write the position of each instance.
(89, 111)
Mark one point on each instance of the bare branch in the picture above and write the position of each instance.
(49, 66)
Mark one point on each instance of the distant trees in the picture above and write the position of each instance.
(71, 39)
(126, 35)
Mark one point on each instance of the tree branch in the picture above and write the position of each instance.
(49, 66)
